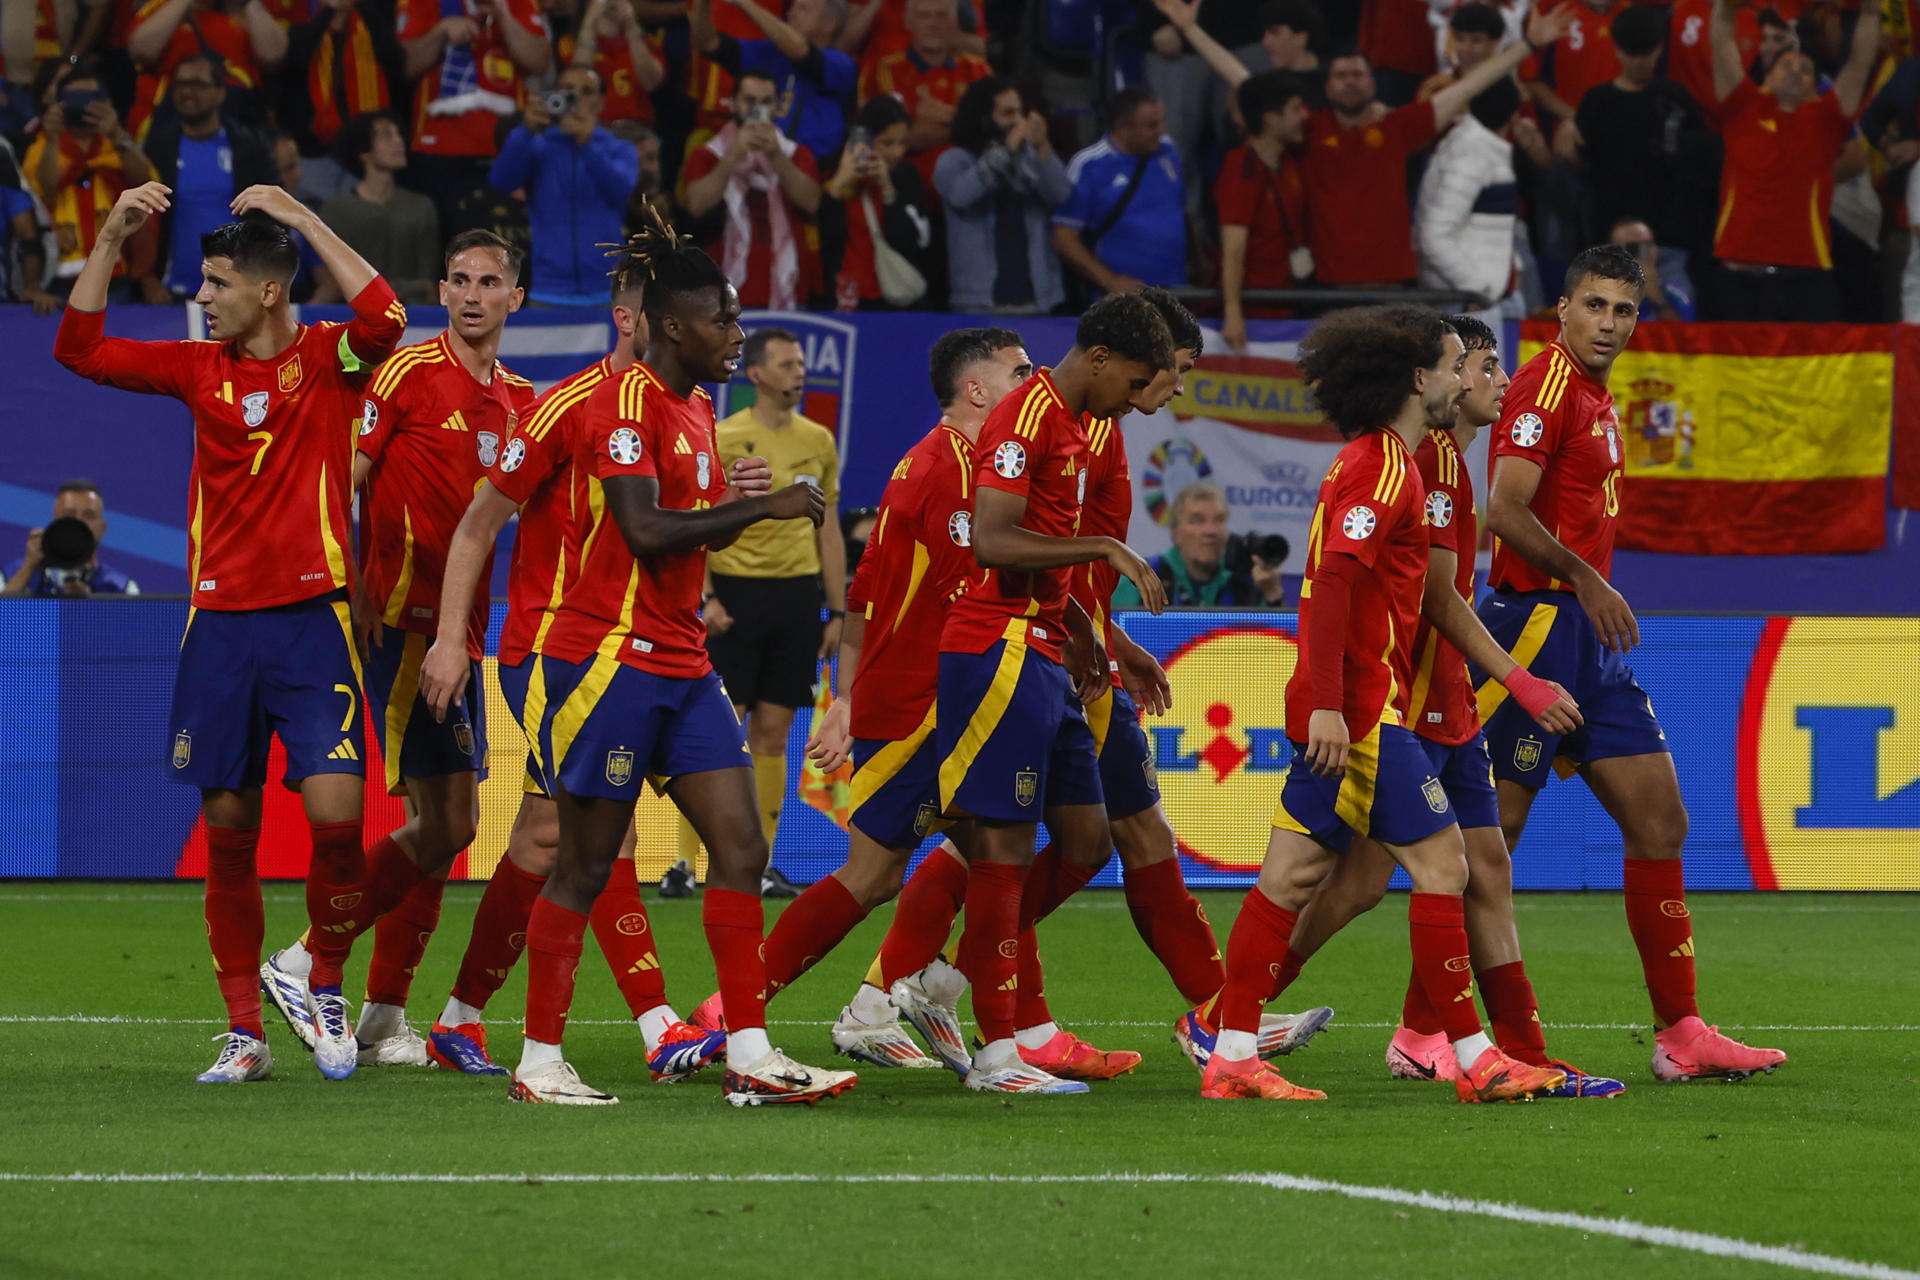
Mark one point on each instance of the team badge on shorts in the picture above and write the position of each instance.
(463, 738)
(1149, 771)
(516, 453)
(369, 417)
(923, 819)
(1026, 785)
(1527, 430)
(1439, 509)
(623, 446)
(1359, 523)
(1010, 459)
(488, 445)
(182, 750)
(1526, 754)
(253, 408)
(960, 528)
(1436, 795)
(619, 767)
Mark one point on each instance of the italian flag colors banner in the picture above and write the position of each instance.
(1754, 439)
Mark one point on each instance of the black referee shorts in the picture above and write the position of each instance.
(772, 650)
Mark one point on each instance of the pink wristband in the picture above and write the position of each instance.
(1532, 693)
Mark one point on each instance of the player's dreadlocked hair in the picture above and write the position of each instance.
(1180, 323)
(662, 262)
(1130, 327)
(1359, 363)
(1474, 333)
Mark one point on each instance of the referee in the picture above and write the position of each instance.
(763, 594)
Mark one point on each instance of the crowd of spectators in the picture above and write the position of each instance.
(904, 153)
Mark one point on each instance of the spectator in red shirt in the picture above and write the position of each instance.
(876, 28)
(245, 36)
(1560, 75)
(1398, 46)
(767, 187)
(875, 196)
(1773, 235)
(1262, 200)
(1690, 47)
(928, 76)
(611, 41)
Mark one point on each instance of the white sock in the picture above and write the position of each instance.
(654, 1023)
(378, 1021)
(746, 1047)
(295, 960)
(1235, 1045)
(871, 1006)
(538, 1053)
(942, 982)
(997, 1055)
(1036, 1037)
(458, 1013)
(1467, 1052)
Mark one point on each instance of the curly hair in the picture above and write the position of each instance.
(662, 262)
(1130, 327)
(1359, 363)
(973, 128)
(1475, 335)
(1181, 326)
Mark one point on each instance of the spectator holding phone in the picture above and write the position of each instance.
(78, 166)
(799, 54)
(1001, 180)
(876, 224)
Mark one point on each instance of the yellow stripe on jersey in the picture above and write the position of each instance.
(986, 717)
(397, 598)
(511, 378)
(597, 513)
(1554, 386)
(564, 397)
(966, 467)
(1817, 218)
(397, 313)
(1423, 678)
(884, 765)
(552, 609)
(336, 558)
(914, 575)
(400, 362)
(1031, 410)
(1488, 697)
(193, 530)
(400, 700)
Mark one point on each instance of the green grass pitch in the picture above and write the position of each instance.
(1818, 1160)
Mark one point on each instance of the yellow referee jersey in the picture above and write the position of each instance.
(801, 450)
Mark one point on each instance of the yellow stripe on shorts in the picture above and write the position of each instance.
(986, 717)
(406, 687)
(1100, 720)
(573, 713)
(1533, 637)
(885, 764)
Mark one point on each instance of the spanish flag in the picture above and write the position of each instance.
(1752, 439)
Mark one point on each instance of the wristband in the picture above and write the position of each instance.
(1532, 693)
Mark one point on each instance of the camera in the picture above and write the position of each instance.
(760, 113)
(1242, 548)
(859, 136)
(66, 547)
(74, 103)
(561, 101)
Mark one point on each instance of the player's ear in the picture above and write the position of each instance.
(518, 296)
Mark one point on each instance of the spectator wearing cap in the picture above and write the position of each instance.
(1000, 181)
(1124, 224)
(62, 559)
(1262, 200)
(393, 228)
(798, 52)
(207, 157)
(1464, 218)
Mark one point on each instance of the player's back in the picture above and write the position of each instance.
(1560, 419)
(1371, 508)
(918, 558)
(1440, 705)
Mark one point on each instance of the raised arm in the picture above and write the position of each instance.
(526, 46)
(82, 345)
(1543, 29)
(267, 38)
(833, 578)
(1850, 86)
(148, 39)
(787, 40)
(1727, 71)
(349, 270)
(1185, 17)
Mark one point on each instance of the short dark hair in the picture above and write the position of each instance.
(1181, 326)
(1341, 54)
(973, 129)
(1494, 105)
(1124, 104)
(1770, 17)
(755, 351)
(1640, 30)
(952, 353)
(1269, 93)
(1298, 15)
(882, 112)
(667, 264)
(216, 65)
(1475, 334)
(481, 238)
(1359, 363)
(755, 73)
(1129, 326)
(256, 245)
(1477, 19)
(356, 139)
(1604, 262)
(79, 484)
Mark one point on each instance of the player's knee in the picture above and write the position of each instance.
(1658, 830)
(1438, 864)
(1144, 839)
(1489, 868)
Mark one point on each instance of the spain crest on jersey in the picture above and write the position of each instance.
(619, 767)
(290, 373)
(1026, 786)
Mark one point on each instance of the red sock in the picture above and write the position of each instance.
(812, 925)
(1416, 1011)
(625, 935)
(1290, 966)
(1656, 893)
(1437, 930)
(923, 917)
(236, 924)
(1030, 996)
(1051, 880)
(499, 933)
(336, 899)
(1175, 928)
(1514, 1013)
(1256, 950)
(400, 940)
(555, 938)
(990, 945)
(736, 925)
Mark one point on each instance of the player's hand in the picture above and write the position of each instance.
(459, 30)
(830, 637)
(134, 207)
(1551, 706)
(715, 615)
(1118, 283)
(536, 117)
(443, 677)
(1327, 743)
(277, 203)
(1087, 664)
(796, 501)
(1184, 14)
(366, 620)
(748, 478)
(1233, 327)
(1128, 564)
(1547, 27)
(1144, 679)
(832, 743)
(35, 557)
(1607, 609)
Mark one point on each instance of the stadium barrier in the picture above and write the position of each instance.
(1797, 742)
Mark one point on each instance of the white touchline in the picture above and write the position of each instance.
(1789, 1256)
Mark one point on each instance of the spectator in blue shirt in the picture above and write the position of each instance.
(207, 159)
(817, 81)
(1669, 291)
(1125, 223)
(20, 232)
(577, 177)
(33, 576)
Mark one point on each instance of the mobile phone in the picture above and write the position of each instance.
(859, 136)
(74, 102)
(760, 113)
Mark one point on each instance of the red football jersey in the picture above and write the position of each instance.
(1690, 46)
(1106, 513)
(1272, 205)
(1776, 184)
(918, 558)
(1359, 219)
(535, 469)
(270, 493)
(1033, 447)
(1372, 507)
(431, 430)
(456, 115)
(1441, 706)
(904, 75)
(1558, 418)
(1582, 58)
(647, 612)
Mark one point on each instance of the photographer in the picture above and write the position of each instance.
(767, 186)
(1207, 569)
(577, 177)
(61, 559)
(876, 227)
(1001, 181)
